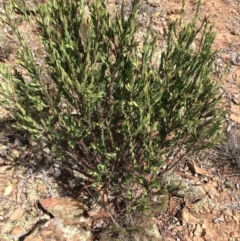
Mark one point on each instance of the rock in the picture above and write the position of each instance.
(234, 58)
(197, 239)
(179, 228)
(183, 188)
(234, 234)
(57, 172)
(210, 188)
(226, 58)
(204, 226)
(2, 161)
(56, 230)
(227, 218)
(229, 184)
(235, 218)
(185, 217)
(15, 153)
(227, 212)
(196, 192)
(6, 48)
(235, 99)
(154, 3)
(235, 118)
(70, 210)
(219, 220)
(234, 32)
(198, 231)
(147, 8)
(149, 231)
(17, 232)
(173, 179)
(32, 4)
(152, 233)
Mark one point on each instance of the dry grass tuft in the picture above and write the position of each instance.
(232, 147)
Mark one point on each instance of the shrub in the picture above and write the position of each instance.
(103, 103)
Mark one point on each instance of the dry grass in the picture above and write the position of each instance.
(230, 149)
(233, 145)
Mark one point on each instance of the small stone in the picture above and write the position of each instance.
(45, 217)
(234, 234)
(42, 188)
(227, 218)
(56, 165)
(56, 229)
(208, 236)
(215, 212)
(218, 220)
(227, 212)
(154, 3)
(17, 232)
(198, 231)
(207, 210)
(152, 233)
(226, 58)
(191, 235)
(57, 172)
(79, 175)
(235, 118)
(179, 228)
(2, 161)
(16, 142)
(235, 218)
(70, 210)
(234, 32)
(234, 58)
(235, 100)
(229, 128)
(147, 9)
(228, 184)
(197, 239)
(185, 217)
(15, 153)
(204, 226)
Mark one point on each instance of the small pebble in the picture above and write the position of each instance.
(57, 172)
(235, 99)
(227, 212)
(2, 161)
(198, 231)
(234, 58)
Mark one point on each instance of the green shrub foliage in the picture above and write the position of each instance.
(99, 99)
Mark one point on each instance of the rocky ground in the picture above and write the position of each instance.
(43, 200)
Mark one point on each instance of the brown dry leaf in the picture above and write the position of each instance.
(235, 118)
(186, 175)
(19, 193)
(8, 190)
(99, 214)
(210, 189)
(194, 168)
(172, 205)
(17, 232)
(16, 214)
(14, 182)
(5, 168)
